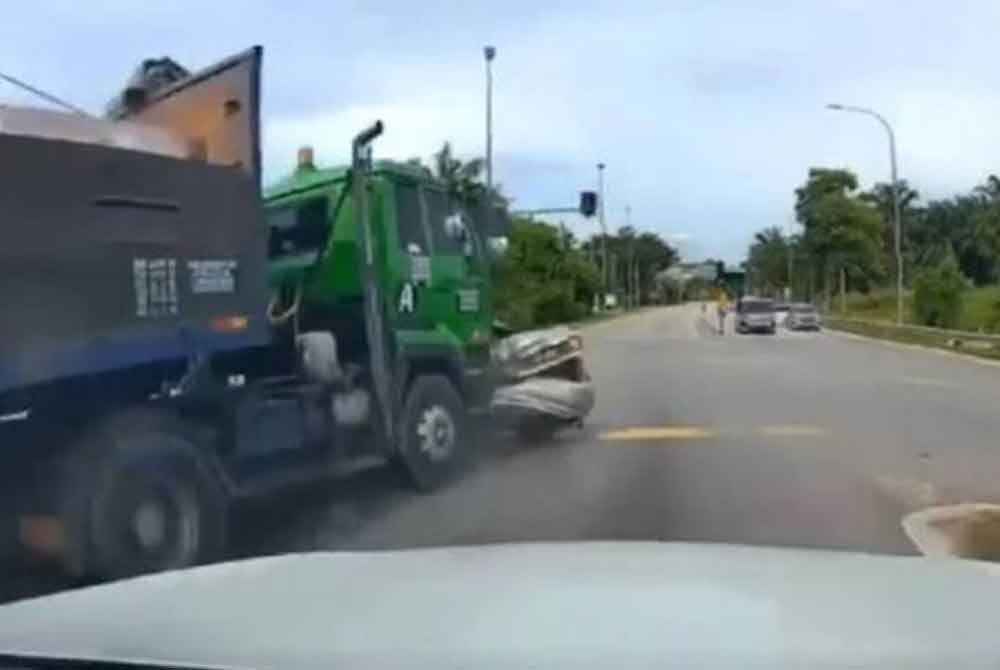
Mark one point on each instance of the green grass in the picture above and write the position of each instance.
(875, 306)
(980, 308)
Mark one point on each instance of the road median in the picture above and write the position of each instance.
(978, 345)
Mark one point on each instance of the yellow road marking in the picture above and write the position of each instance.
(793, 431)
(654, 433)
(659, 433)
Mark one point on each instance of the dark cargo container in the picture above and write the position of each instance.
(112, 257)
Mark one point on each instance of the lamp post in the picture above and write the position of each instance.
(489, 52)
(604, 230)
(896, 222)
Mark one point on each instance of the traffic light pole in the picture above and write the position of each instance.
(587, 207)
(547, 210)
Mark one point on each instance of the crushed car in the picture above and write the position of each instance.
(543, 383)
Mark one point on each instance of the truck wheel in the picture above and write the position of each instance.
(432, 433)
(141, 499)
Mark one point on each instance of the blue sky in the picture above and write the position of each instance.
(708, 114)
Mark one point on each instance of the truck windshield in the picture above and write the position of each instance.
(298, 229)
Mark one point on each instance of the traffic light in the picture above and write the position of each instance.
(588, 203)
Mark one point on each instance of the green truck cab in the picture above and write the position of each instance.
(431, 264)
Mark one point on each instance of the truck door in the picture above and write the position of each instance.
(459, 275)
(411, 284)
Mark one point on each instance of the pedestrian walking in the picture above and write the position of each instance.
(722, 305)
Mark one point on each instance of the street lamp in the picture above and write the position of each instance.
(489, 52)
(600, 217)
(896, 222)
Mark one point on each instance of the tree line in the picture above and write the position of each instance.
(547, 274)
(844, 241)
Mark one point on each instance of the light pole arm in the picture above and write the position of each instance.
(885, 124)
(892, 148)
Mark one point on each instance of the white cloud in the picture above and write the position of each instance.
(707, 114)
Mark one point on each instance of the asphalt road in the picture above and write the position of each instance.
(797, 439)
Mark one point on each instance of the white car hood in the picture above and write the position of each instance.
(620, 605)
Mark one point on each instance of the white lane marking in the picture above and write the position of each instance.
(928, 381)
(793, 430)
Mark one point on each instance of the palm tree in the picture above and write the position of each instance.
(768, 259)
(881, 197)
(986, 220)
(461, 177)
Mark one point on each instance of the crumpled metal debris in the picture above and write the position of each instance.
(526, 354)
(560, 398)
(152, 75)
(527, 344)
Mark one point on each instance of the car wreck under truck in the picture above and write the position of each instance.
(172, 342)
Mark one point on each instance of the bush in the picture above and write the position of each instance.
(556, 304)
(937, 295)
(542, 280)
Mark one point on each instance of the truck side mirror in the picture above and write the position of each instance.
(498, 246)
(455, 229)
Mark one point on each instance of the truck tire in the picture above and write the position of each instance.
(432, 431)
(139, 497)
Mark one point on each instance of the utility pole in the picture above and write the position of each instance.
(843, 290)
(791, 264)
(627, 275)
(614, 263)
(636, 286)
(604, 230)
(489, 52)
(791, 291)
(630, 262)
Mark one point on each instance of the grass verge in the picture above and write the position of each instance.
(980, 308)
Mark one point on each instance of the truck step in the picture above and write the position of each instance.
(270, 481)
